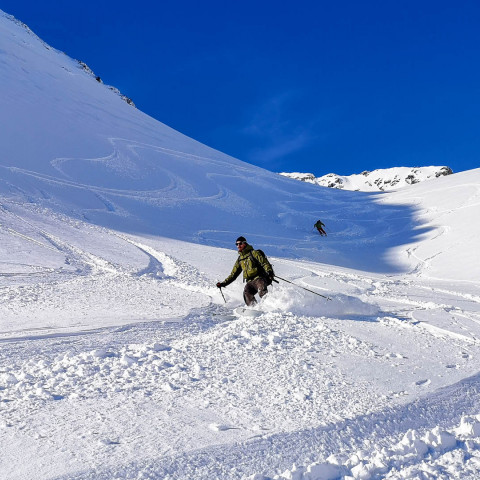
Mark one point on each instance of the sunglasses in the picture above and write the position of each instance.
(240, 243)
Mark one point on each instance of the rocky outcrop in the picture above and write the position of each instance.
(376, 180)
(87, 69)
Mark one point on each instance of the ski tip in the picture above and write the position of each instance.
(247, 312)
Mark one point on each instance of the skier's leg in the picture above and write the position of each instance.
(261, 285)
(249, 293)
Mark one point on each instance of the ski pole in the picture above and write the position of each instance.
(311, 291)
(222, 294)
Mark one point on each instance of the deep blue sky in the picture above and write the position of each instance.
(313, 86)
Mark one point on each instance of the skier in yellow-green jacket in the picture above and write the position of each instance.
(257, 271)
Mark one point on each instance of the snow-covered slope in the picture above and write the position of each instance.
(377, 180)
(71, 145)
(120, 359)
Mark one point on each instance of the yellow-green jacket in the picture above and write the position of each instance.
(251, 267)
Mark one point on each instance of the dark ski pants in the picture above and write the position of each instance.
(258, 285)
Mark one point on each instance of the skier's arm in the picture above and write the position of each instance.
(235, 273)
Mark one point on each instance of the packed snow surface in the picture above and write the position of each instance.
(119, 358)
(382, 179)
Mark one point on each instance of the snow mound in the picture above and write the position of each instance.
(438, 453)
(303, 303)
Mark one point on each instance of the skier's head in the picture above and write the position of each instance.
(241, 243)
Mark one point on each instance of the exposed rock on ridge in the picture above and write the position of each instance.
(87, 69)
(377, 180)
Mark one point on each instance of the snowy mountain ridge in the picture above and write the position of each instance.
(121, 359)
(377, 180)
(82, 65)
(87, 69)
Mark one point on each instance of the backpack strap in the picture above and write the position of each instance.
(261, 270)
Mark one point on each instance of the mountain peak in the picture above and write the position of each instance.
(376, 180)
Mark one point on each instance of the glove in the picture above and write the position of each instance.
(220, 284)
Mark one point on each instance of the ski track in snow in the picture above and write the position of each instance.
(276, 391)
(212, 362)
(270, 381)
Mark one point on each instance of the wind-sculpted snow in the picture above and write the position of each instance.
(438, 453)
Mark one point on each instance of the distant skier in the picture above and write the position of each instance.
(257, 271)
(319, 226)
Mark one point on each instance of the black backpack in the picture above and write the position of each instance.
(260, 268)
